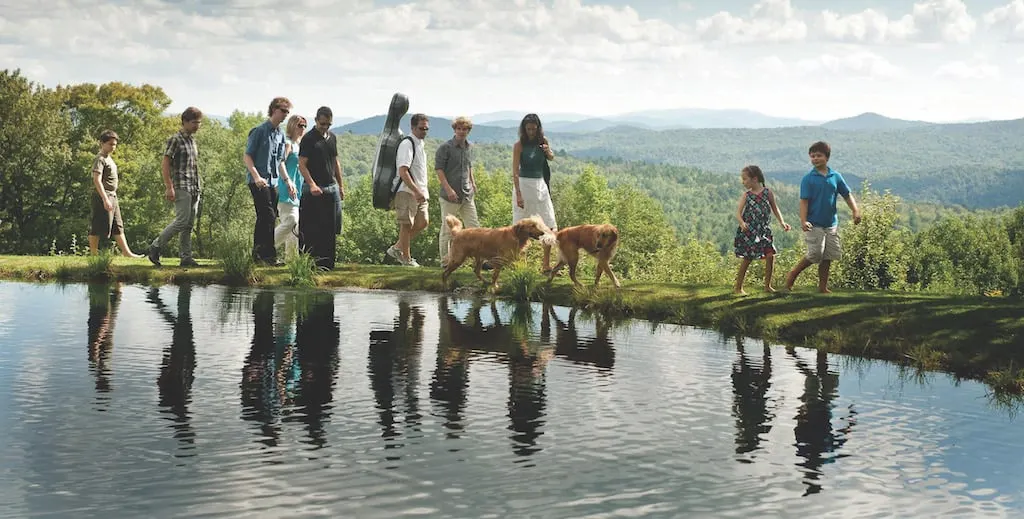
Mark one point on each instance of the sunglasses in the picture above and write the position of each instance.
(423, 129)
(302, 126)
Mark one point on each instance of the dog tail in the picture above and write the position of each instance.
(453, 223)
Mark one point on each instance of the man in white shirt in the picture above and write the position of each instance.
(411, 198)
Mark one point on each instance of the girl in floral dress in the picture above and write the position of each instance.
(754, 235)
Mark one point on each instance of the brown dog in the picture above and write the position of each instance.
(600, 241)
(498, 246)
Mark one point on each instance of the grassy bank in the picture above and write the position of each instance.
(971, 337)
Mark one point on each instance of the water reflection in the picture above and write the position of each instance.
(177, 367)
(317, 336)
(526, 359)
(393, 368)
(271, 369)
(594, 351)
(104, 300)
(751, 380)
(816, 440)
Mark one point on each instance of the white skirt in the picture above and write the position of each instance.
(536, 201)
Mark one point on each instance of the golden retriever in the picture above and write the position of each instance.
(497, 245)
(600, 241)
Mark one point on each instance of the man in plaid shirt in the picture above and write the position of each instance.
(180, 170)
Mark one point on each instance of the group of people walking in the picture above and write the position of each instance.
(296, 182)
(295, 175)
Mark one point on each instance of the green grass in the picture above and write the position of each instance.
(972, 337)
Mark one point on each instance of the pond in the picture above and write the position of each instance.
(131, 401)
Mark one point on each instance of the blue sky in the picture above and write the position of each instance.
(939, 60)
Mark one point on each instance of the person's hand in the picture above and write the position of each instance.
(519, 200)
(260, 183)
(856, 217)
(315, 190)
(744, 227)
(107, 206)
(474, 188)
(452, 197)
(169, 194)
(341, 193)
(420, 198)
(291, 190)
(786, 227)
(807, 226)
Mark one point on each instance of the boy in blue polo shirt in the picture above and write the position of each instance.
(818, 195)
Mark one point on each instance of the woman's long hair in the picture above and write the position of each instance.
(523, 139)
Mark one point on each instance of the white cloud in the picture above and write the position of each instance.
(975, 69)
(859, 64)
(1008, 18)
(775, 21)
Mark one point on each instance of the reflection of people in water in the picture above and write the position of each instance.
(104, 300)
(178, 365)
(393, 364)
(815, 438)
(596, 351)
(451, 375)
(526, 364)
(750, 384)
(317, 335)
(269, 368)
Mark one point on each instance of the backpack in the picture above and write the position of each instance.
(384, 170)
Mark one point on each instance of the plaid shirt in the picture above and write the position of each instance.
(181, 148)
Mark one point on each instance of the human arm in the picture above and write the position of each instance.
(338, 176)
(516, 149)
(440, 162)
(739, 211)
(165, 172)
(283, 172)
(547, 149)
(97, 182)
(804, 205)
(775, 210)
(255, 138)
(850, 201)
(472, 179)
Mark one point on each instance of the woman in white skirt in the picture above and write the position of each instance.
(529, 160)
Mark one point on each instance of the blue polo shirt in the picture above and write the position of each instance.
(266, 147)
(821, 193)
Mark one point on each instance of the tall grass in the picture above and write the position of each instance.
(98, 266)
(234, 253)
(302, 270)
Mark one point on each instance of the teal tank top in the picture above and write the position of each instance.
(531, 162)
(291, 165)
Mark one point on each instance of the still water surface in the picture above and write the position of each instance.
(205, 401)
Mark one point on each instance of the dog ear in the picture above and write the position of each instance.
(520, 230)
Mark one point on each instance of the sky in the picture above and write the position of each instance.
(936, 60)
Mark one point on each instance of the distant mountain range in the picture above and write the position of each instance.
(501, 126)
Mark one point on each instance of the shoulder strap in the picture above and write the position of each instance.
(399, 183)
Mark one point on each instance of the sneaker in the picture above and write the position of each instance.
(393, 252)
(412, 263)
(154, 255)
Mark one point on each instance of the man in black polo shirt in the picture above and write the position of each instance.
(323, 191)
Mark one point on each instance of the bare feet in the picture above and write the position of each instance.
(739, 292)
(770, 289)
(824, 291)
(134, 255)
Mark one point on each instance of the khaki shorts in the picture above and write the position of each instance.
(823, 244)
(407, 211)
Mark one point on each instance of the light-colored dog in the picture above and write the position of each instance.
(600, 241)
(499, 246)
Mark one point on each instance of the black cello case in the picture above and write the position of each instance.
(384, 171)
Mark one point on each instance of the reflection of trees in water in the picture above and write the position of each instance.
(104, 300)
(750, 383)
(393, 364)
(178, 364)
(317, 336)
(816, 441)
(271, 368)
